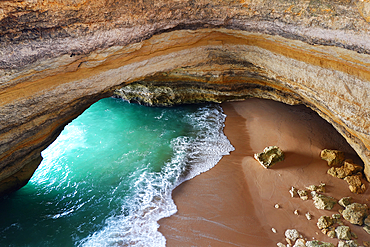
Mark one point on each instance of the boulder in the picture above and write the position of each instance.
(355, 184)
(333, 157)
(324, 202)
(343, 232)
(270, 156)
(355, 213)
(324, 222)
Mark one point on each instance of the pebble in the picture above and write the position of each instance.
(308, 216)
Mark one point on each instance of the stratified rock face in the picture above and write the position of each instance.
(59, 57)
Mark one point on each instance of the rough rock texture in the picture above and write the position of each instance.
(59, 57)
(292, 234)
(355, 213)
(345, 201)
(355, 184)
(316, 243)
(348, 168)
(270, 156)
(324, 222)
(348, 243)
(324, 202)
(333, 157)
(343, 232)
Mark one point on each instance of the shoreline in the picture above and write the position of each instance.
(233, 203)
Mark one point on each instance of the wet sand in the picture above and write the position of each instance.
(233, 203)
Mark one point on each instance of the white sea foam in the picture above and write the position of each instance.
(151, 201)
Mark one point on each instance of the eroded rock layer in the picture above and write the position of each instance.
(59, 57)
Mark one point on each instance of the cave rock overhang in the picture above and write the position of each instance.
(39, 99)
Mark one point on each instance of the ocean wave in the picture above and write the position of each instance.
(151, 198)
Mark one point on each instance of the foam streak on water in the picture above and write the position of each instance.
(108, 178)
(152, 200)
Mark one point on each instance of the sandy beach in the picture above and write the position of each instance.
(233, 203)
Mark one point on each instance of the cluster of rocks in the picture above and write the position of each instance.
(270, 156)
(294, 239)
(355, 213)
(320, 201)
(344, 169)
(333, 227)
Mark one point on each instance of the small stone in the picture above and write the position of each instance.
(281, 245)
(324, 222)
(313, 194)
(343, 232)
(367, 229)
(355, 213)
(331, 234)
(293, 192)
(316, 243)
(366, 243)
(354, 235)
(270, 156)
(296, 212)
(292, 234)
(336, 216)
(345, 201)
(303, 194)
(277, 205)
(355, 184)
(273, 230)
(333, 157)
(312, 187)
(308, 216)
(300, 243)
(325, 230)
(324, 202)
(321, 188)
(348, 243)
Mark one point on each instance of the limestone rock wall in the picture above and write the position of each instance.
(59, 57)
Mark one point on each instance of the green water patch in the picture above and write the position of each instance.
(108, 177)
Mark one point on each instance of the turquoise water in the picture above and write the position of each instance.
(108, 177)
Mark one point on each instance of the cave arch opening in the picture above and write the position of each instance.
(224, 64)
